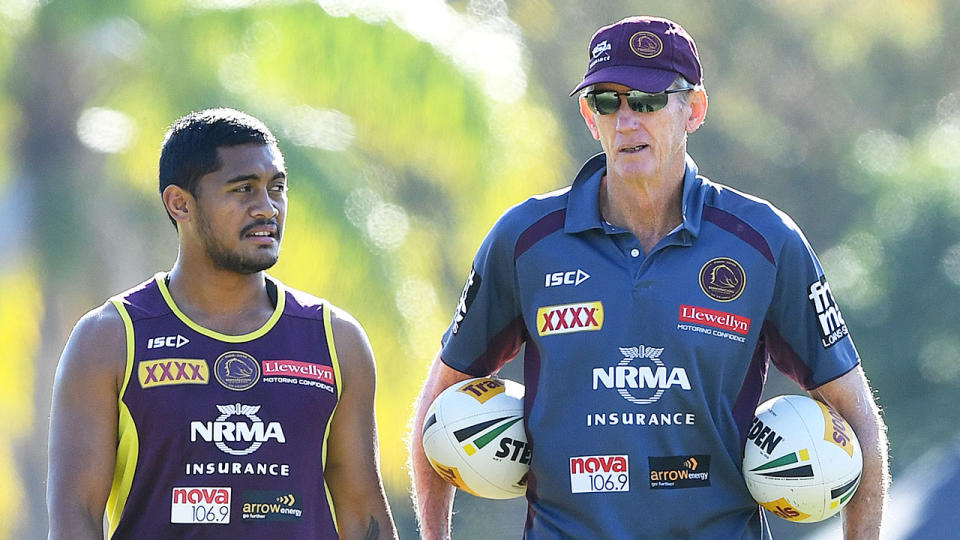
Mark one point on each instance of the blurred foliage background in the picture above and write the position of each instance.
(409, 126)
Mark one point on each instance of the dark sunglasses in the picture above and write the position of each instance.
(608, 101)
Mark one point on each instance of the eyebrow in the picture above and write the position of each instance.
(249, 177)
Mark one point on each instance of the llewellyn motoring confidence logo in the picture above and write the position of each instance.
(723, 279)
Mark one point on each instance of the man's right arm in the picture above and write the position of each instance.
(432, 496)
(83, 425)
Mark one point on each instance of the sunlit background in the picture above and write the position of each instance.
(409, 126)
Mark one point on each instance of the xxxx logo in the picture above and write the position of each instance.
(171, 371)
(586, 316)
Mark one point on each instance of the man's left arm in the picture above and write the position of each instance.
(352, 468)
(850, 395)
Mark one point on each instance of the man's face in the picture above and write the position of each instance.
(641, 145)
(241, 208)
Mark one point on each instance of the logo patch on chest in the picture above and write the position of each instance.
(271, 506)
(238, 430)
(237, 370)
(175, 342)
(207, 505)
(572, 277)
(172, 371)
(299, 373)
(716, 319)
(677, 472)
(599, 474)
(723, 279)
(567, 318)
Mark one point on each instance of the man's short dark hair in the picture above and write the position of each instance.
(190, 145)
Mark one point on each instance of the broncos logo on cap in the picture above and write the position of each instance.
(646, 44)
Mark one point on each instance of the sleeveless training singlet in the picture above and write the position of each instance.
(224, 436)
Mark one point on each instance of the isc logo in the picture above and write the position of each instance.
(573, 277)
(176, 342)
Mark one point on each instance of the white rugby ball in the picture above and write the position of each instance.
(802, 460)
(474, 437)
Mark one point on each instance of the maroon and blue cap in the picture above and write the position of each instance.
(645, 53)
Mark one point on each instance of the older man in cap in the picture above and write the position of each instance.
(651, 358)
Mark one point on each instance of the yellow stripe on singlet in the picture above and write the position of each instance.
(335, 363)
(128, 445)
(281, 300)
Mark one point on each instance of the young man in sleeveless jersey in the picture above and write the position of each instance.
(213, 401)
(649, 300)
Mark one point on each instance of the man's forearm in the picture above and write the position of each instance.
(74, 524)
(862, 516)
(432, 498)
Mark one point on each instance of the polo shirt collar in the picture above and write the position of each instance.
(583, 206)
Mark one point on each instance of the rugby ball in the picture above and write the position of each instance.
(802, 460)
(474, 437)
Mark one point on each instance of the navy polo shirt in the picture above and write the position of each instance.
(644, 368)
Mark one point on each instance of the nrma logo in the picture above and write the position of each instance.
(248, 434)
(640, 377)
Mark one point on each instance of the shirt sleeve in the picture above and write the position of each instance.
(487, 328)
(804, 332)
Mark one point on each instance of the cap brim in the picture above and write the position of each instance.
(644, 79)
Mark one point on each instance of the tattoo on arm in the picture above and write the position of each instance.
(373, 530)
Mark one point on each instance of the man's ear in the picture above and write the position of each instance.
(179, 202)
(698, 110)
(588, 118)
